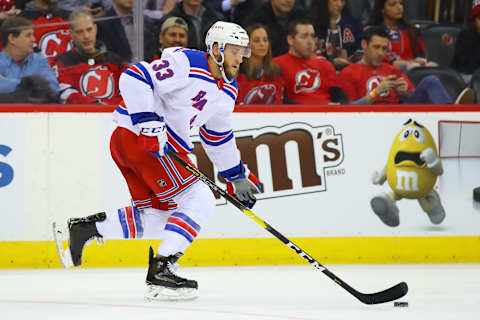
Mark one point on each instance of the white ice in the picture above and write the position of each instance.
(437, 291)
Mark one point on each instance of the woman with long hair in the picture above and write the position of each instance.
(260, 80)
(338, 32)
(408, 49)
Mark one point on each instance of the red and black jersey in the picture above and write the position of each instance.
(359, 79)
(51, 30)
(401, 45)
(262, 91)
(307, 81)
(86, 80)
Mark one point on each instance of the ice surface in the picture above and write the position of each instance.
(437, 291)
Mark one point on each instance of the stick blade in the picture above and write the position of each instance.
(387, 295)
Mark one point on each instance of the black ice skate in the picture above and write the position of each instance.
(79, 232)
(163, 283)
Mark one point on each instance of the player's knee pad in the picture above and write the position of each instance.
(198, 203)
(154, 222)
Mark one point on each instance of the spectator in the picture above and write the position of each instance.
(275, 15)
(260, 80)
(338, 32)
(361, 9)
(118, 34)
(467, 48)
(308, 79)
(88, 74)
(373, 81)
(173, 33)
(7, 9)
(233, 10)
(156, 9)
(25, 76)
(407, 48)
(199, 19)
(95, 7)
(51, 27)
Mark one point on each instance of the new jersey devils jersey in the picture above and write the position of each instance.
(51, 31)
(401, 45)
(262, 91)
(307, 81)
(180, 88)
(359, 79)
(85, 80)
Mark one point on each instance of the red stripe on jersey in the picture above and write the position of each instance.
(211, 137)
(130, 222)
(202, 72)
(183, 224)
(135, 69)
(176, 145)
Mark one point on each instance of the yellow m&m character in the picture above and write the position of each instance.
(411, 171)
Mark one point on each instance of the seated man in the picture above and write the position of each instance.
(372, 81)
(51, 29)
(25, 76)
(88, 73)
(308, 79)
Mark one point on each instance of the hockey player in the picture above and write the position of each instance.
(162, 101)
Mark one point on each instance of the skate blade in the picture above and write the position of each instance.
(159, 293)
(61, 237)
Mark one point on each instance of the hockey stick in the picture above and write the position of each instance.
(387, 295)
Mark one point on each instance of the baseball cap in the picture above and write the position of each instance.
(174, 22)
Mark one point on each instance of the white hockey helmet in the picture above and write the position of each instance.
(225, 33)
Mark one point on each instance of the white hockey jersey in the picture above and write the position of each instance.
(180, 88)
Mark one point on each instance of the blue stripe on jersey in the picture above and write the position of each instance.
(197, 59)
(138, 222)
(141, 117)
(122, 111)
(136, 76)
(187, 219)
(217, 143)
(235, 173)
(229, 93)
(123, 222)
(178, 139)
(216, 133)
(174, 228)
(145, 73)
(201, 77)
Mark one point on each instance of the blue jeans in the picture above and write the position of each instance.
(429, 90)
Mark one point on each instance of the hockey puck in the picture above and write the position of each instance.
(476, 194)
(400, 304)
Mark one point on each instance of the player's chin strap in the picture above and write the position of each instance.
(220, 65)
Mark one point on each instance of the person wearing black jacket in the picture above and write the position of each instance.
(467, 47)
(114, 33)
(199, 19)
(275, 15)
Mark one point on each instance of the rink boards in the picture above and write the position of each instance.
(315, 164)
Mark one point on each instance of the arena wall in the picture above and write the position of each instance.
(315, 164)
